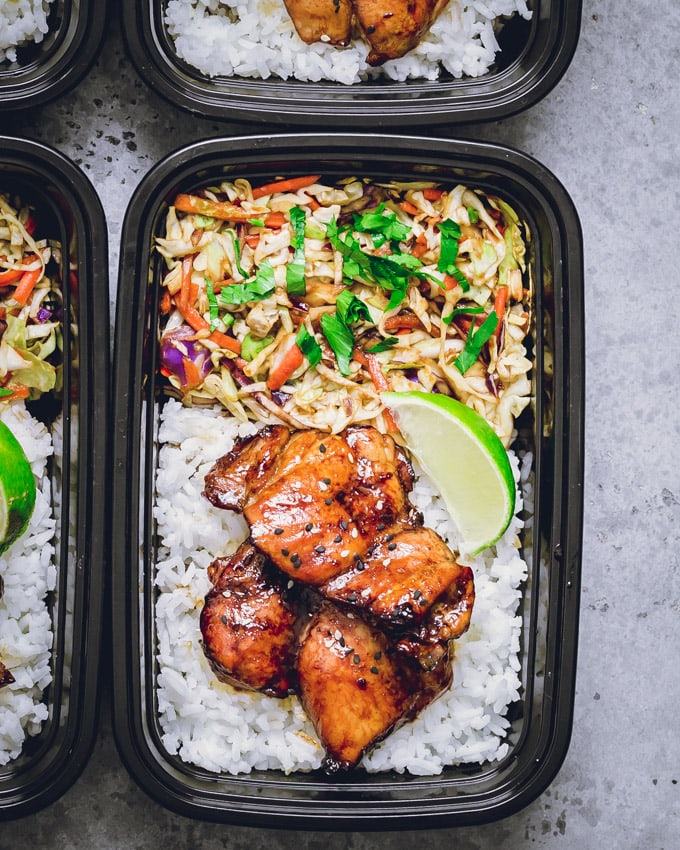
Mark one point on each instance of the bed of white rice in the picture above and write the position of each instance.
(256, 38)
(21, 21)
(28, 572)
(214, 726)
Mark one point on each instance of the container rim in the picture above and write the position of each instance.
(541, 64)
(381, 805)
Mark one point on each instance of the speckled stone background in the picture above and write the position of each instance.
(610, 131)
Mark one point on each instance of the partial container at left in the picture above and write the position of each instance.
(54, 365)
(46, 48)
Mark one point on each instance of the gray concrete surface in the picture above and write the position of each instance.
(610, 132)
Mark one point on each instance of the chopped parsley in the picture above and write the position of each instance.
(295, 270)
(476, 339)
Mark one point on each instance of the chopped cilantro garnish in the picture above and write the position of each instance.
(474, 343)
(237, 253)
(350, 308)
(382, 222)
(260, 287)
(462, 311)
(308, 346)
(212, 301)
(383, 345)
(340, 338)
(295, 270)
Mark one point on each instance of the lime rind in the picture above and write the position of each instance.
(17, 489)
(430, 421)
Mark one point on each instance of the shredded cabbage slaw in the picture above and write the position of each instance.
(30, 325)
(301, 300)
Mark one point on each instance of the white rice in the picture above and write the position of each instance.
(216, 727)
(29, 573)
(21, 21)
(256, 38)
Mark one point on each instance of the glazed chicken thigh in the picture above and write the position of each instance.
(340, 593)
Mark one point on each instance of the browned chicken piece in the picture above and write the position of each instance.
(329, 21)
(400, 577)
(384, 478)
(6, 678)
(243, 470)
(393, 27)
(446, 620)
(354, 687)
(248, 624)
(316, 507)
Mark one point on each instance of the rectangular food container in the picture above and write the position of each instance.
(534, 56)
(45, 70)
(68, 211)
(552, 428)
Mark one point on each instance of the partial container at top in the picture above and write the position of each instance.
(534, 55)
(45, 69)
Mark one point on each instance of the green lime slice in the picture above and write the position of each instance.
(465, 459)
(17, 489)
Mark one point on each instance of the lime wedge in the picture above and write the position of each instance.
(17, 489)
(465, 459)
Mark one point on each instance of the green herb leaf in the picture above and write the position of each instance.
(351, 309)
(476, 339)
(383, 345)
(256, 222)
(4, 392)
(237, 253)
(308, 346)
(260, 287)
(462, 311)
(473, 215)
(295, 270)
(382, 222)
(212, 301)
(340, 338)
(448, 252)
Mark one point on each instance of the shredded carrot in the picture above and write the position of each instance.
(402, 321)
(290, 361)
(182, 300)
(409, 208)
(166, 303)
(227, 342)
(26, 285)
(419, 249)
(372, 363)
(499, 303)
(10, 276)
(18, 391)
(290, 185)
(221, 210)
(252, 240)
(194, 319)
(450, 282)
(275, 219)
(220, 284)
(432, 194)
(192, 377)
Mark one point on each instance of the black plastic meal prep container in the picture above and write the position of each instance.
(68, 211)
(552, 429)
(48, 69)
(534, 56)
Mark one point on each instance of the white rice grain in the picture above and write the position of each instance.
(212, 725)
(28, 572)
(256, 38)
